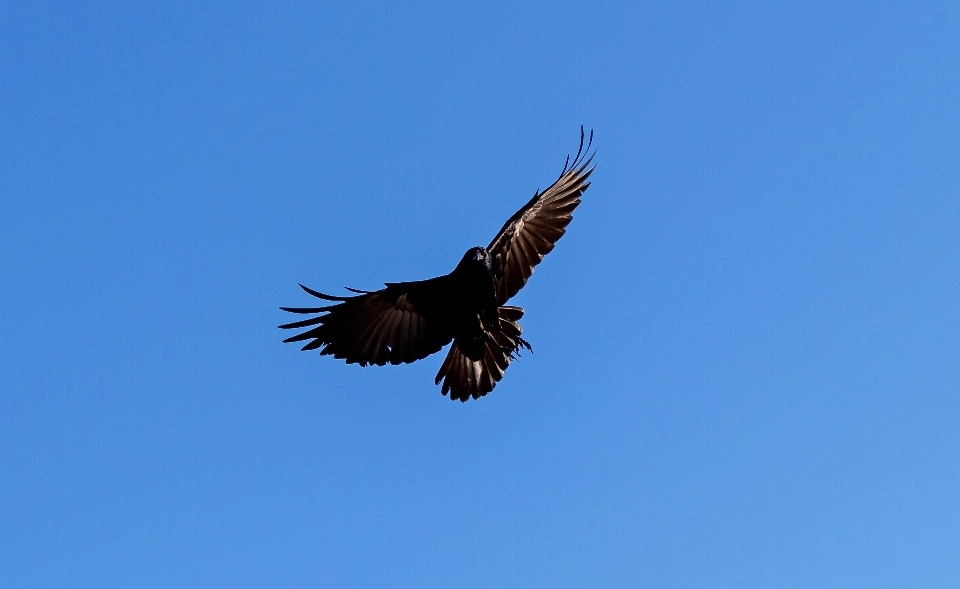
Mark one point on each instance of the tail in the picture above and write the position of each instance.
(465, 378)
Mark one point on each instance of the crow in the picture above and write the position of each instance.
(407, 321)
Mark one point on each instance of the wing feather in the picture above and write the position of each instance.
(532, 232)
(377, 327)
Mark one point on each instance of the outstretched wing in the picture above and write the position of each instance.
(392, 325)
(532, 232)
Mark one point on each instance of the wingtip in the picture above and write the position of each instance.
(586, 163)
(320, 295)
(578, 164)
(357, 290)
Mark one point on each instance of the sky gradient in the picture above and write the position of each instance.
(745, 369)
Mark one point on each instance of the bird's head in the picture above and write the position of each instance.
(476, 255)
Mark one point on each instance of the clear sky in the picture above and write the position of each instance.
(747, 346)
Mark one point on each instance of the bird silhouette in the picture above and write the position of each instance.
(408, 321)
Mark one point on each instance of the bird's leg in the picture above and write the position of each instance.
(524, 343)
(489, 319)
(514, 352)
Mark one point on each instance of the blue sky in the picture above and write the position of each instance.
(746, 346)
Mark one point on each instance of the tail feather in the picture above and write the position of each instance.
(465, 378)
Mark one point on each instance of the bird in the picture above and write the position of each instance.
(408, 321)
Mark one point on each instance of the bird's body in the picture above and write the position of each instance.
(407, 321)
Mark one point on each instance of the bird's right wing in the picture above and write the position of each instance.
(532, 231)
(375, 327)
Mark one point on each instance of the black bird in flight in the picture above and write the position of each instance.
(407, 321)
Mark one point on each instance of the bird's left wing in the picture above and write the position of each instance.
(392, 325)
(532, 232)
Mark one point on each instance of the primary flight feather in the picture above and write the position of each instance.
(407, 321)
